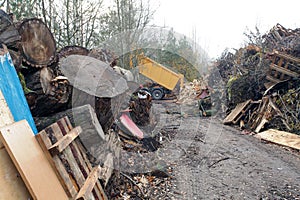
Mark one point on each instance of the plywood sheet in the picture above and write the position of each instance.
(31, 162)
(281, 137)
(11, 184)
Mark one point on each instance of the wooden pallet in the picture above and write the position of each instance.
(283, 67)
(238, 112)
(67, 156)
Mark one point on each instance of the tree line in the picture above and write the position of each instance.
(118, 24)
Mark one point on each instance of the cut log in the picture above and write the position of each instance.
(38, 44)
(97, 84)
(52, 93)
(102, 54)
(9, 35)
(92, 76)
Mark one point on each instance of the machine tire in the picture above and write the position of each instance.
(157, 93)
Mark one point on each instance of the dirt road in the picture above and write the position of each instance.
(212, 161)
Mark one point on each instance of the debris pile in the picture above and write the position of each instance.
(262, 89)
(191, 91)
(87, 87)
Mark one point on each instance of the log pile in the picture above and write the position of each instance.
(49, 90)
(262, 82)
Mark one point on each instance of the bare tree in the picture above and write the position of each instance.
(125, 20)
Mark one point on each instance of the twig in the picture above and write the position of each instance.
(216, 162)
(128, 177)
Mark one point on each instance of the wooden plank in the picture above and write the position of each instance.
(286, 56)
(89, 183)
(284, 71)
(272, 79)
(11, 184)
(236, 111)
(31, 162)
(281, 137)
(6, 117)
(61, 144)
(269, 84)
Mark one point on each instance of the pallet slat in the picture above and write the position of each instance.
(89, 184)
(284, 70)
(60, 145)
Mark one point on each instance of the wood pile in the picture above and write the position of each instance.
(262, 89)
(56, 81)
(49, 90)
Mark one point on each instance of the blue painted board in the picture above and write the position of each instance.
(13, 92)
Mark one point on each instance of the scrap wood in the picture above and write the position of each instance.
(89, 184)
(61, 144)
(107, 169)
(34, 166)
(280, 137)
(237, 113)
(11, 184)
(72, 164)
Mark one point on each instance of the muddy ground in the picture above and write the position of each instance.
(206, 160)
(213, 161)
